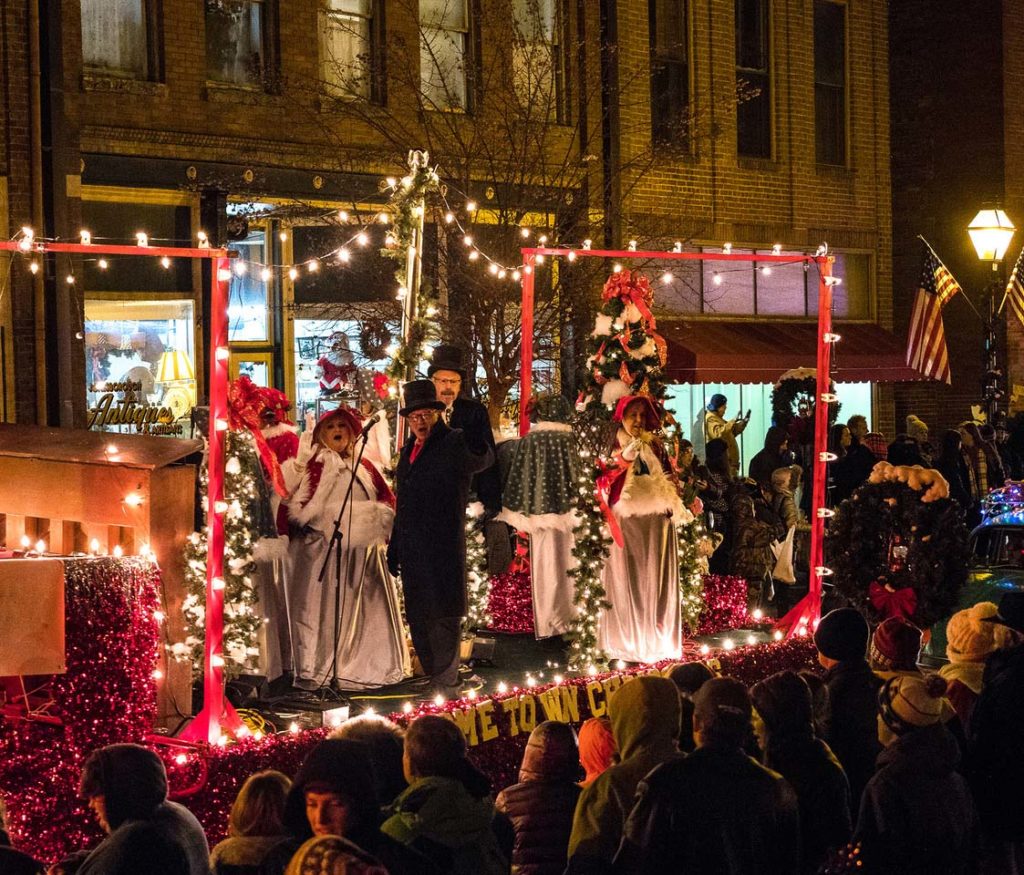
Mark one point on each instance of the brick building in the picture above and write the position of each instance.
(957, 146)
(172, 117)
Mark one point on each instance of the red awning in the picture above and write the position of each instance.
(714, 351)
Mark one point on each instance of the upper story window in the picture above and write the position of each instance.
(444, 54)
(538, 61)
(351, 40)
(115, 38)
(753, 79)
(236, 41)
(670, 72)
(830, 82)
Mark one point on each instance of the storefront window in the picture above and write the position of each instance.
(248, 314)
(140, 364)
(687, 402)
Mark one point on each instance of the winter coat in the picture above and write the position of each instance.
(169, 841)
(428, 542)
(471, 416)
(917, 815)
(716, 812)
(542, 804)
(822, 792)
(767, 460)
(964, 685)
(644, 714)
(995, 744)
(861, 462)
(439, 818)
(716, 427)
(954, 469)
(751, 556)
(14, 862)
(853, 724)
(238, 851)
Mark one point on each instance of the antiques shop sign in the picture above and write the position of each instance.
(142, 417)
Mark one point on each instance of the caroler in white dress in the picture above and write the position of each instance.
(371, 640)
(641, 576)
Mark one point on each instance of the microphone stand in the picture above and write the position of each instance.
(334, 546)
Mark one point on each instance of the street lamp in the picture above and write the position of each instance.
(991, 232)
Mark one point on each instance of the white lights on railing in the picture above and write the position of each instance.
(830, 337)
(832, 281)
(632, 246)
(587, 243)
(823, 571)
(85, 238)
(829, 397)
(141, 239)
(827, 457)
(825, 513)
(220, 424)
(217, 583)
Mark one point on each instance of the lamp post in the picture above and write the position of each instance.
(991, 232)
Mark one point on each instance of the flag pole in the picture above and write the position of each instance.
(964, 295)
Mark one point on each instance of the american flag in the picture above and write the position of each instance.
(926, 343)
(1015, 288)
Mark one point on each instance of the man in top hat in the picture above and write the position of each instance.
(428, 541)
(448, 372)
(995, 741)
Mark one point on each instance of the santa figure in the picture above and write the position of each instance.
(336, 369)
(346, 631)
(540, 500)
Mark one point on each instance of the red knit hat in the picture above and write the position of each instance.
(895, 646)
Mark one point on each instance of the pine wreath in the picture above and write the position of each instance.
(374, 337)
(885, 535)
(784, 401)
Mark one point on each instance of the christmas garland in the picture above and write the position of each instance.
(895, 552)
(245, 492)
(478, 581)
(802, 382)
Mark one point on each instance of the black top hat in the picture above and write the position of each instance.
(446, 357)
(419, 394)
(1011, 612)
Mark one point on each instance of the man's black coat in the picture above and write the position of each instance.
(428, 542)
(471, 416)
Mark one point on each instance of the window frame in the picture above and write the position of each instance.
(557, 51)
(685, 143)
(744, 73)
(267, 81)
(470, 56)
(375, 67)
(152, 50)
(843, 118)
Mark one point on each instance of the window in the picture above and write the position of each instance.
(753, 80)
(350, 49)
(830, 82)
(248, 307)
(444, 48)
(235, 52)
(670, 72)
(114, 37)
(538, 63)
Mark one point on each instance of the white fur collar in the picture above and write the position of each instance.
(551, 426)
(306, 505)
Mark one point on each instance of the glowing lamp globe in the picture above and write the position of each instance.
(991, 232)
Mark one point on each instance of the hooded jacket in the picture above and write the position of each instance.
(597, 748)
(343, 766)
(147, 833)
(853, 727)
(644, 713)
(542, 804)
(765, 461)
(441, 819)
(917, 815)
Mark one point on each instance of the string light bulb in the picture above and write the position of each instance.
(133, 499)
(524, 232)
(716, 278)
(474, 255)
(342, 216)
(165, 262)
(344, 256)
(240, 268)
(293, 274)
(40, 546)
(449, 217)
(102, 264)
(667, 278)
(85, 237)
(118, 551)
(383, 218)
(265, 274)
(470, 206)
(312, 265)
(33, 266)
(571, 256)
(282, 236)
(70, 279)
(141, 239)
(362, 239)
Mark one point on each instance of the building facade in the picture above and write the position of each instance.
(763, 124)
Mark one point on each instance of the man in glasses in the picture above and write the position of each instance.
(428, 542)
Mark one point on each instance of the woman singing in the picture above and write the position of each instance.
(370, 642)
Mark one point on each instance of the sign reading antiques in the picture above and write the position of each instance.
(129, 410)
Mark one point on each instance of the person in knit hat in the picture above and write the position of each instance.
(842, 642)
(917, 814)
(597, 748)
(970, 638)
(895, 648)
(688, 678)
(917, 429)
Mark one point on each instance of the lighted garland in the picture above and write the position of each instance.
(407, 203)
(478, 581)
(694, 547)
(245, 492)
(914, 552)
(802, 382)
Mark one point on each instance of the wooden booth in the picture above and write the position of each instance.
(82, 492)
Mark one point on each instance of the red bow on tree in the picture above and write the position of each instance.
(893, 602)
(246, 404)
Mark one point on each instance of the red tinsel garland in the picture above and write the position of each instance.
(511, 603)
(107, 695)
(725, 604)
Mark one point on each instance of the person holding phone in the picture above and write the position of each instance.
(717, 426)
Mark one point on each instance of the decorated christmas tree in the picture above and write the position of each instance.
(626, 357)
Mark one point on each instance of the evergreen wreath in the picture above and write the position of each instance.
(885, 534)
(374, 338)
(784, 401)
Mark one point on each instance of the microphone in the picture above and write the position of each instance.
(371, 422)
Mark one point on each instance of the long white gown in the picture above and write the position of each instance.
(371, 640)
(641, 578)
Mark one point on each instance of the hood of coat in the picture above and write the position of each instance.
(774, 438)
(552, 754)
(644, 714)
(444, 810)
(133, 781)
(930, 750)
